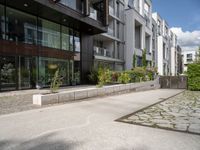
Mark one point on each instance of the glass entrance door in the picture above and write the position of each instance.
(24, 72)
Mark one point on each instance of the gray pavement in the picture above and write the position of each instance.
(90, 125)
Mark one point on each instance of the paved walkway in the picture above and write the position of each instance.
(90, 125)
(16, 101)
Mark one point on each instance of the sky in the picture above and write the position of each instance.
(183, 16)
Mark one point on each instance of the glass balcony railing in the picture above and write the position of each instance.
(101, 52)
(93, 13)
(110, 31)
(73, 4)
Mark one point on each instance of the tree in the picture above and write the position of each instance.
(197, 59)
(144, 60)
(134, 60)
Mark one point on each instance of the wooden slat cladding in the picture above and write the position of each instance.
(13, 48)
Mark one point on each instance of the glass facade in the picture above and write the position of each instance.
(48, 33)
(2, 23)
(33, 48)
(65, 38)
(20, 27)
(47, 69)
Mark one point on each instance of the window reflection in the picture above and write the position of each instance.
(65, 38)
(74, 4)
(48, 34)
(71, 47)
(77, 41)
(48, 67)
(8, 73)
(21, 27)
(2, 23)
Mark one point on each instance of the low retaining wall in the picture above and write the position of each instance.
(62, 97)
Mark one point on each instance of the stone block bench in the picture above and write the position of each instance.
(73, 95)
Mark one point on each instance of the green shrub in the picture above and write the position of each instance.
(132, 75)
(115, 76)
(150, 72)
(193, 73)
(140, 73)
(144, 59)
(124, 78)
(104, 76)
(134, 60)
(93, 76)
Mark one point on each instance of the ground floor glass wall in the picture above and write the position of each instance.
(48, 67)
(18, 72)
(33, 48)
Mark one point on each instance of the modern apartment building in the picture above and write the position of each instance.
(138, 31)
(163, 45)
(180, 60)
(189, 57)
(109, 47)
(154, 44)
(39, 36)
(174, 54)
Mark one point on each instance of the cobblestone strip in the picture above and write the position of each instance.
(180, 113)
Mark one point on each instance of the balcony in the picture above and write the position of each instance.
(147, 13)
(101, 52)
(147, 18)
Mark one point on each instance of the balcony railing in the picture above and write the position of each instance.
(101, 52)
(110, 31)
(147, 13)
(73, 5)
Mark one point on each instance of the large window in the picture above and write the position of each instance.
(77, 42)
(8, 73)
(21, 27)
(71, 40)
(48, 67)
(65, 38)
(189, 57)
(48, 34)
(17, 72)
(2, 23)
(22, 71)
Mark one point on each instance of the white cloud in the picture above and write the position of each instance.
(187, 40)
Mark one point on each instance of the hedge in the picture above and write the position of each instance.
(193, 73)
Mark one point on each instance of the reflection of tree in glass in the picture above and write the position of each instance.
(7, 72)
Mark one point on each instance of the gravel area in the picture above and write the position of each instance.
(17, 101)
(11, 104)
(179, 113)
